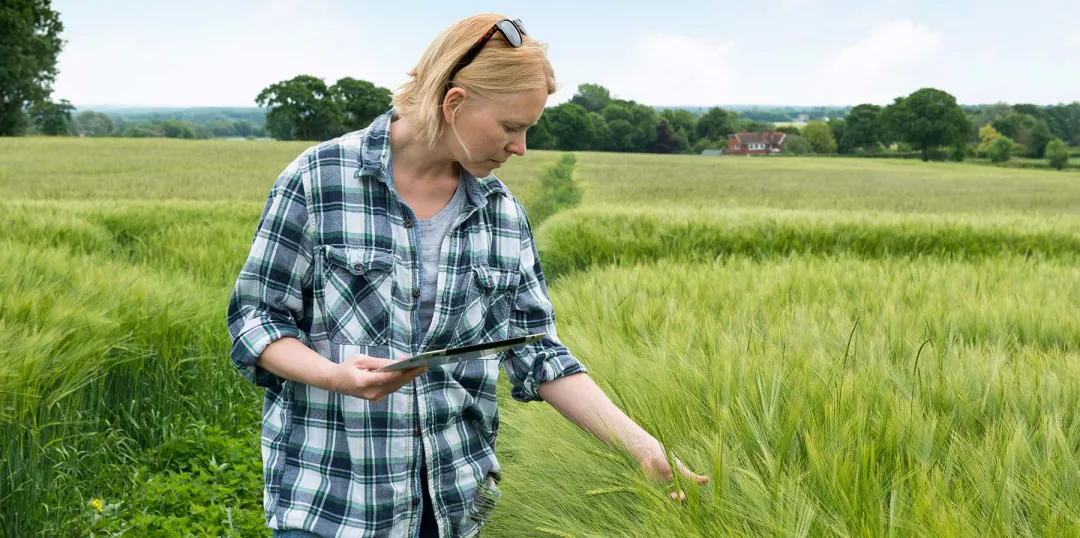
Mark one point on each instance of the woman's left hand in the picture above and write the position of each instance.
(655, 465)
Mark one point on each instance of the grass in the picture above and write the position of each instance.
(823, 396)
(809, 183)
(847, 347)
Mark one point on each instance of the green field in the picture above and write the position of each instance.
(847, 347)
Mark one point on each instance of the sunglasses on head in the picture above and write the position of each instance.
(512, 30)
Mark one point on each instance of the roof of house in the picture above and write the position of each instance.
(767, 137)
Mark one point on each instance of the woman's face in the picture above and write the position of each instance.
(494, 128)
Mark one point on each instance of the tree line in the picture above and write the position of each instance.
(928, 121)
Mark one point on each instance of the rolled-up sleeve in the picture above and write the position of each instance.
(268, 299)
(529, 366)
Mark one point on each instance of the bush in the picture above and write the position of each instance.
(1000, 149)
(935, 154)
(1057, 154)
(796, 145)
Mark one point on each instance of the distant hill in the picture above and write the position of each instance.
(256, 116)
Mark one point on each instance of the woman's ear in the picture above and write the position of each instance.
(454, 99)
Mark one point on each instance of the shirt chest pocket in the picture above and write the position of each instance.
(357, 287)
(485, 314)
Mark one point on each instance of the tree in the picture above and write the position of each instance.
(752, 126)
(52, 118)
(838, 127)
(788, 130)
(539, 136)
(716, 124)
(92, 123)
(987, 136)
(301, 109)
(360, 101)
(592, 97)
(1000, 149)
(928, 118)
(632, 126)
(796, 145)
(571, 127)
(683, 123)
(820, 137)
(862, 127)
(29, 45)
(1035, 138)
(1057, 154)
(667, 141)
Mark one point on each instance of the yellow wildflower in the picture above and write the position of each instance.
(96, 503)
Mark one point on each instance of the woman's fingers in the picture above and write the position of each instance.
(701, 479)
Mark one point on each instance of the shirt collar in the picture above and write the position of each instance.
(375, 161)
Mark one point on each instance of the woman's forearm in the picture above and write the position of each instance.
(289, 358)
(579, 399)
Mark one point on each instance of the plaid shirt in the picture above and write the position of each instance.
(335, 262)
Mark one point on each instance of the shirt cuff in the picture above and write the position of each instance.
(250, 343)
(548, 366)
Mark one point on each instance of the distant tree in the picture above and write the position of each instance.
(1011, 124)
(683, 123)
(1000, 149)
(600, 129)
(243, 128)
(301, 108)
(987, 136)
(592, 97)
(788, 130)
(92, 123)
(716, 124)
(704, 143)
(752, 126)
(1057, 154)
(29, 45)
(51, 118)
(928, 118)
(796, 145)
(838, 127)
(174, 128)
(991, 113)
(539, 136)
(360, 101)
(668, 141)
(1035, 138)
(820, 137)
(862, 128)
(632, 126)
(571, 127)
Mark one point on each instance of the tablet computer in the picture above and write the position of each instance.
(458, 354)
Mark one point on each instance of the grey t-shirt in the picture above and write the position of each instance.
(432, 232)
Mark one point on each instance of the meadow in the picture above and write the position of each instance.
(847, 347)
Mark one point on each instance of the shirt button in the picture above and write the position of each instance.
(416, 432)
(416, 292)
(358, 266)
(408, 223)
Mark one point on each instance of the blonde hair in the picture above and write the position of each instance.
(499, 68)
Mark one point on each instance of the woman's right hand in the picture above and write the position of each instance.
(354, 377)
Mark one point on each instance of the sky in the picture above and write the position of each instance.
(671, 53)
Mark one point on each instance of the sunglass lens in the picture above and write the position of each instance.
(510, 30)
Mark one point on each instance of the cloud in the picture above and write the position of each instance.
(677, 70)
(867, 71)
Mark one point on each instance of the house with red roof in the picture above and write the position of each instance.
(765, 142)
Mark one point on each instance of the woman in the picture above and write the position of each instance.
(387, 242)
